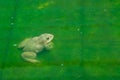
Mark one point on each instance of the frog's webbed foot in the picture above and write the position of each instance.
(30, 57)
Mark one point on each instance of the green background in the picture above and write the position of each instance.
(86, 42)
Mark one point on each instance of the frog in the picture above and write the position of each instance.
(34, 45)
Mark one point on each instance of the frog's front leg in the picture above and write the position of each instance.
(29, 56)
(49, 46)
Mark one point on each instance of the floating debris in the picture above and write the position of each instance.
(44, 5)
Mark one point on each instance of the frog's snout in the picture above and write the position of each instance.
(50, 38)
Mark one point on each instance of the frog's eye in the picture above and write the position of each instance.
(47, 38)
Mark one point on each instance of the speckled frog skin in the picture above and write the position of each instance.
(32, 46)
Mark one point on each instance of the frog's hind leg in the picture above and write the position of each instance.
(30, 57)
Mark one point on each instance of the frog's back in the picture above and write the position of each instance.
(24, 42)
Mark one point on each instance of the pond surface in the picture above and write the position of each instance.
(86, 42)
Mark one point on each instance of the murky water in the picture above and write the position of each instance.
(86, 41)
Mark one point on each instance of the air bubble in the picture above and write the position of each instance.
(12, 17)
(81, 32)
(61, 64)
(14, 44)
(78, 29)
(105, 10)
(12, 23)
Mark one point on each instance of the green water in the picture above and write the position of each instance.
(86, 42)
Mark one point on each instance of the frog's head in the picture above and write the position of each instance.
(46, 37)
